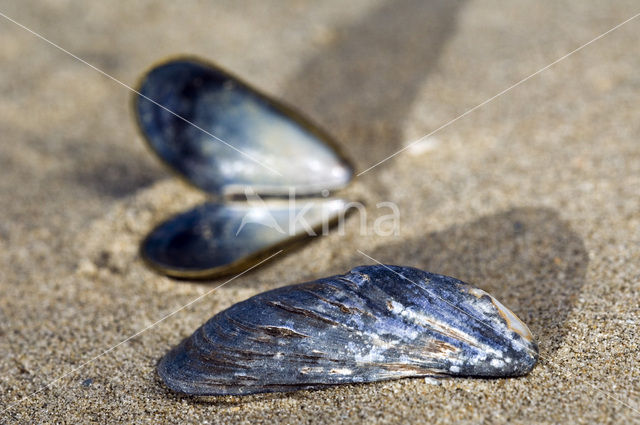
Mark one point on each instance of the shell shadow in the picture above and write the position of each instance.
(114, 172)
(529, 258)
(363, 83)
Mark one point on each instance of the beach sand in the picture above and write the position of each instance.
(534, 197)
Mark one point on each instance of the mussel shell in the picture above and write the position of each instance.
(374, 323)
(215, 239)
(276, 149)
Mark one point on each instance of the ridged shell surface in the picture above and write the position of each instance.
(373, 323)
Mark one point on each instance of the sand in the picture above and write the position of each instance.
(533, 197)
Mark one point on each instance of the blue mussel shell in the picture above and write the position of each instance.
(232, 141)
(374, 323)
(224, 136)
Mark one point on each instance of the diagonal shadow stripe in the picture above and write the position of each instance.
(362, 85)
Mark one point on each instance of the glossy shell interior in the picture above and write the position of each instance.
(224, 136)
(216, 239)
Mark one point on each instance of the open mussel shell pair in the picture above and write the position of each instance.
(230, 140)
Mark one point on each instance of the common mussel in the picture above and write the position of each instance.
(374, 323)
(247, 152)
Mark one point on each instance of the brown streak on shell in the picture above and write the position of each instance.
(342, 307)
(301, 311)
(277, 331)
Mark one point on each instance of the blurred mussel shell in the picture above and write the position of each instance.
(231, 141)
(224, 136)
(216, 239)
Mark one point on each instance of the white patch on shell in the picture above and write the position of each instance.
(341, 371)
(396, 306)
(497, 363)
(307, 370)
(427, 321)
(372, 355)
